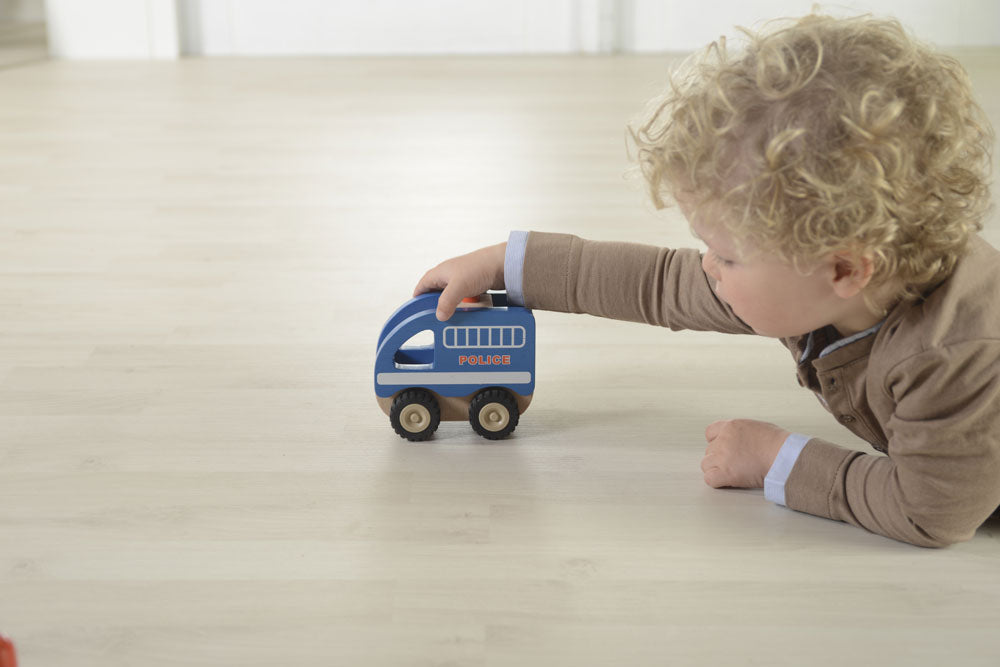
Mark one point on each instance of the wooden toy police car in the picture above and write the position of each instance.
(479, 366)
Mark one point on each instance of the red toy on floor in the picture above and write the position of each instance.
(8, 657)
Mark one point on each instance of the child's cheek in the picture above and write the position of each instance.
(721, 291)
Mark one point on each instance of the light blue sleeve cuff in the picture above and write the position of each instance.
(774, 483)
(513, 267)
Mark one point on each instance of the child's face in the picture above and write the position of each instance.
(770, 295)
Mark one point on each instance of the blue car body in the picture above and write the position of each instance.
(486, 344)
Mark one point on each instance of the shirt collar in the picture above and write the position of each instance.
(837, 344)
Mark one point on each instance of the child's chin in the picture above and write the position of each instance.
(768, 332)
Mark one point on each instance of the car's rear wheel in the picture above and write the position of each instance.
(493, 413)
(415, 414)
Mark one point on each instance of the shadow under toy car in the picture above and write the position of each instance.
(480, 366)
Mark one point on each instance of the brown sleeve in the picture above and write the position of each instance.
(624, 281)
(941, 478)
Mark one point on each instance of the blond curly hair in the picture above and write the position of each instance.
(827, 134)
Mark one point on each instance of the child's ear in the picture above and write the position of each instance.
(851, 273)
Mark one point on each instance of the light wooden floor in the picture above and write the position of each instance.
(195, 261)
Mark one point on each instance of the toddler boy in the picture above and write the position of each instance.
(836, 171)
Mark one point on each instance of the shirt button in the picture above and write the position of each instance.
(847, 419)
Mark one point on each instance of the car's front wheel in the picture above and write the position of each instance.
(415, 414)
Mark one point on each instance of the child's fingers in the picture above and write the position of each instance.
(713, 429)
(428, 283)
(711, 472)
(448, 302)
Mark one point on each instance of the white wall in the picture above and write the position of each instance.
(265, 27)
(142, 29)
(167, 28)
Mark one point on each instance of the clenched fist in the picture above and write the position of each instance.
(740, 452)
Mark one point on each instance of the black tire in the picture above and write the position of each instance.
(493, 414)
(415, 414)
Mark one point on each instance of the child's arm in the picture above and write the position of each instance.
(941, 478)
(624, 281)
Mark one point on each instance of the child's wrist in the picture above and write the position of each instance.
(499, 281)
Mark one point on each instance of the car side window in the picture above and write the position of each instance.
(417, 353)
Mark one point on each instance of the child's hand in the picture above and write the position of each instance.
(464, 276)
(740, 452)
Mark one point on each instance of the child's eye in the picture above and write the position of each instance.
(724, 262)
